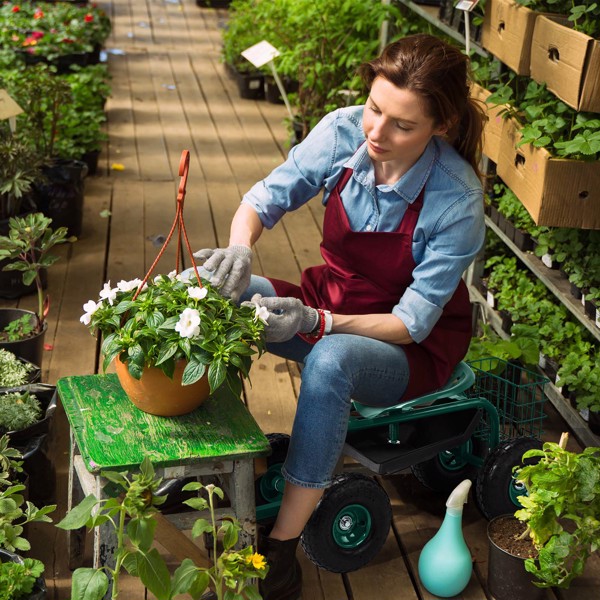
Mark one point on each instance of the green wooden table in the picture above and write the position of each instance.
(220, 438)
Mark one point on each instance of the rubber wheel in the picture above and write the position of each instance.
(444, 472)
(350, 524)
(269, 486)
(496, 489)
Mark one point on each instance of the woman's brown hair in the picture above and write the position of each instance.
(438, 73)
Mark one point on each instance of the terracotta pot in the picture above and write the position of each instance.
(157, 394)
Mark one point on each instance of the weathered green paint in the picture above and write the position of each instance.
(112, 433)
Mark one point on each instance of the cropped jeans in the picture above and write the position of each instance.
(338, 368)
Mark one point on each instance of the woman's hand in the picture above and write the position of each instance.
(287, 317)
(231, 268)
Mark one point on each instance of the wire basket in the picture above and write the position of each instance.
(517, 393)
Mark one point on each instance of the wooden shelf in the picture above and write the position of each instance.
(551, 278)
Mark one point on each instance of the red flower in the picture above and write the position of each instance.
(16, 9)
(38, 14)
(36, 35)
(88, 18)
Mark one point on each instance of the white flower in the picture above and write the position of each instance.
(189, 323)
(127, 286)
(262, 313)
(197, 293)
(90, 308)
(172, 275)
(107, 293)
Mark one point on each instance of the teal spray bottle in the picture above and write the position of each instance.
(445, 563)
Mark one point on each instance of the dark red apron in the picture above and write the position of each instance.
(368, 272)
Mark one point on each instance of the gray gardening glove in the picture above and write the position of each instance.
(231, 268)
(287, 317)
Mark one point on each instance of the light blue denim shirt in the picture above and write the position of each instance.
(450, 230)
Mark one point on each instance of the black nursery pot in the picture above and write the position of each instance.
(507, 577)
(32, 348)
(61, 196)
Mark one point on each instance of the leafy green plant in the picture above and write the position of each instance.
(18, 410)
(28, 244)
(17, 575)
(522, 346)
(17, 579)
(134, 523)
(19, 329)
(584, 15)
(20, 169)
(231, 574)
(561, 510)
(15, 511)
(175, 317)
(13, 372)
(546, 121)
(322, 42)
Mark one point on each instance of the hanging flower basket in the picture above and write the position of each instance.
(175, 327)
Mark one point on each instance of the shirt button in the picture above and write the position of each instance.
(369, 227)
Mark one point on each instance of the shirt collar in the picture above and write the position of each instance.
(410, 184)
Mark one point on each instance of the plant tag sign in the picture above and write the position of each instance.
(490, 299)
(8, 107)
(467, 5)
(260, 54)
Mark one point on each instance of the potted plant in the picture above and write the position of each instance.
(561, 510)
(20, 171)
(20, 578)
(176, 326)
(27, 245)
(230, 576)
(16, 372)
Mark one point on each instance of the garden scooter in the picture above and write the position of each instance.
(461, 431)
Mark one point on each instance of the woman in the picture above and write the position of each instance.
(403, 220)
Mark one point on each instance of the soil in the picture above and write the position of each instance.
(505, 531)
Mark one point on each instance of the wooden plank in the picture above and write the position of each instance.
(271, 398)
(177, 543)
(153, 158)
(387, 574)
(120, 122)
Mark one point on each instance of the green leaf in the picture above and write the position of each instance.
(230, 537)
(216, 374)
(88, 584)
(154, 574)
(79, 515)
(141, 532)
(201, 526)
(200, 585)
(193, 371)
(184, 577)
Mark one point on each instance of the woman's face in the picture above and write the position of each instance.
(396, 125)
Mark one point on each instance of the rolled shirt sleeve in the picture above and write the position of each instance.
(441, 261)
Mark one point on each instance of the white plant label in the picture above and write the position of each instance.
(490, 299)
(8, 107)
(467, 5)
(260, 54)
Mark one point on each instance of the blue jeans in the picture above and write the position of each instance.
(337, 368)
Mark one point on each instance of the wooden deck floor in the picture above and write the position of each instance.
(170, 92)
